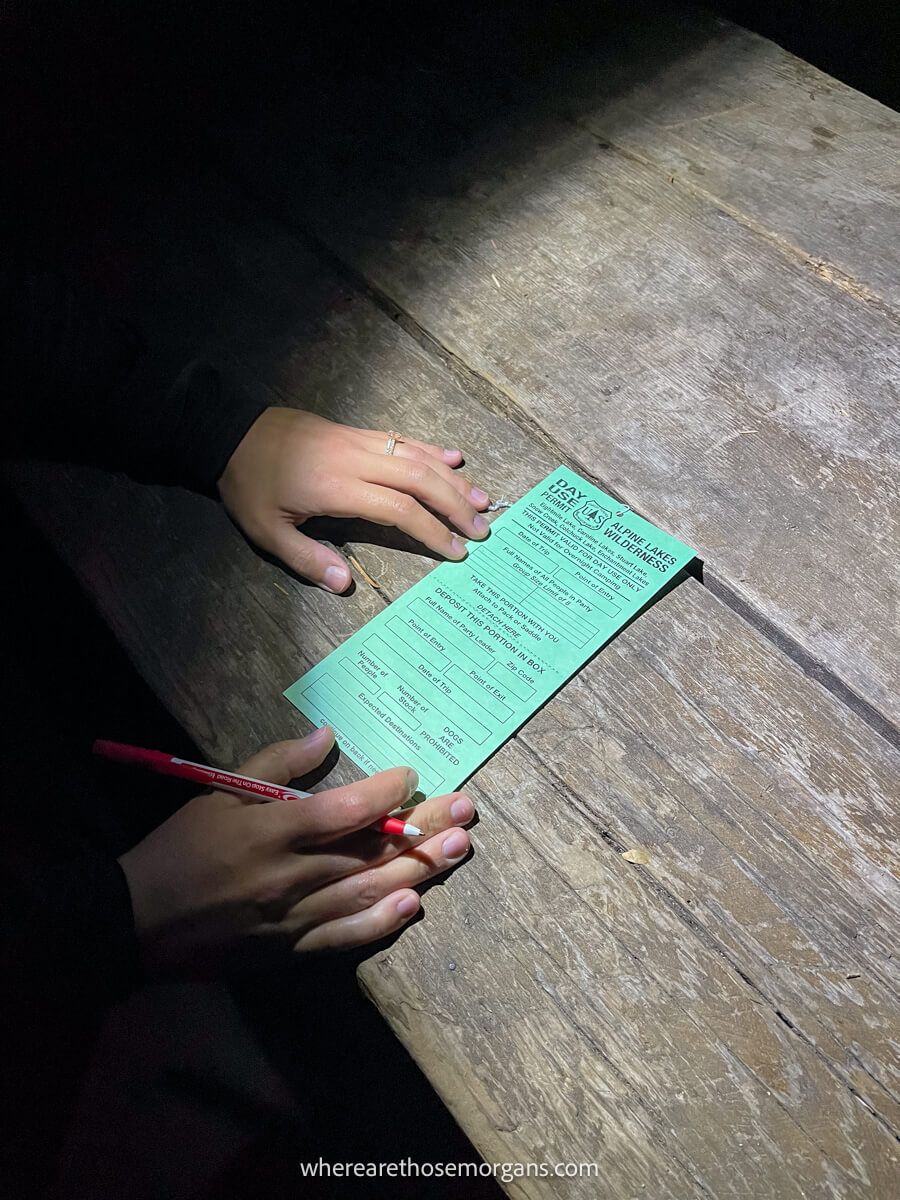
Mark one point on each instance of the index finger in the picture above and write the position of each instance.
(324, 816)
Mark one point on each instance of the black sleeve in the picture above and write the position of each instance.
(67, 918)
(78, 384)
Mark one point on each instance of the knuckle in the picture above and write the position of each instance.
(259, 835)
(270, 892)
(395, 788)
(300, 563)
(367, 889)
(308, 564)
(405, 506)
(416, 475)
(326, 482)
(279, 753)
(352, 809)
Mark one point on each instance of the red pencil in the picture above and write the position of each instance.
(224, 781)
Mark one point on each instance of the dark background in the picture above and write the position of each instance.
(123, 79)
(857, 43)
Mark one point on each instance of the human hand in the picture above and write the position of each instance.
(292, 465)
(310, 872)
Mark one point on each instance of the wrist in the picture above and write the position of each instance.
(243, 462)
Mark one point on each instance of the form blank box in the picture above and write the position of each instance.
(506, 679)
(485, 700)
(415, 643)
(587, 593)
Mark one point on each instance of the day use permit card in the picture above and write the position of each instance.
(451, 669)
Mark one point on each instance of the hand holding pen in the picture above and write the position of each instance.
(225, 781)
(311, 871)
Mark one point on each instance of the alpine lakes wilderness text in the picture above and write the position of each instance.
(564, 496)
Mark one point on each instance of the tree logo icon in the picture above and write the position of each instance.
(591, 515)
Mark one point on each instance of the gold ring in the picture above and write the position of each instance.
(392, 440)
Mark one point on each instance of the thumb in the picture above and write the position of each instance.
(311, 559)
(283, 761)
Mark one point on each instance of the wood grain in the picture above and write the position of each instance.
(655, 334)
(567, 1005)
(719, 1021)
(801, 158)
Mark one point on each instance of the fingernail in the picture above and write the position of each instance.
(478, 496)
(462, 809)
(336, 578)
(455, 846)
(319, 735)
(412, 780)
(480, 523)
(451, 455)
(407, 906)
(457, 547)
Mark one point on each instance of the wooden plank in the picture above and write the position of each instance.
(669, 348)
(809, 161)
(799, 156)
(690, 1025)
(749, 802)
(605, 1022)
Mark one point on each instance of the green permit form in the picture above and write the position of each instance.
(451, 669)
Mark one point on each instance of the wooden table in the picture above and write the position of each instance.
(675, 268)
